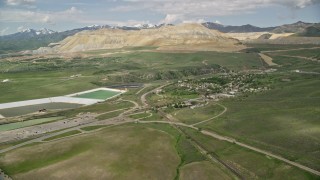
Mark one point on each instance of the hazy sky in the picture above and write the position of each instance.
(16, 15)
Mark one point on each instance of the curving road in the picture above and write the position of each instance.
(144, 96)
(224, 111)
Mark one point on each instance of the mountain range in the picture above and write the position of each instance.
(31, 39)
(299, 28)
(236, 29)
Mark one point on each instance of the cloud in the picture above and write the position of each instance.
(16, 15)
(47, 19)
(20, 2)
(194, 21)
(296, 3)
(194, 8)
(112, 22)
(72, 10)
(21, 15)
(4, 31)
(171, 18)
(71, 14)
(20, 28)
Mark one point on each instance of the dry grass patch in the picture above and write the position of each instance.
(203, 171)
(267, 60)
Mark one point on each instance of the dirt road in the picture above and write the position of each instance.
(301, 57)
(145, 86)
(285, 50)
(143, 97)
(225, 109)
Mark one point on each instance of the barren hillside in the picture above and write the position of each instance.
(257, 35)
(180, 37)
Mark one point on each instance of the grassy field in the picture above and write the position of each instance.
(109, 115)
(309, 53)
(125, 49)
(23, 110)
(11, 126)
(235, 61)
(191, 116)
(187, 152)
(91, 128)
(13, 143)
(249, 164)
(34, 85)
(53, 76)
(114, 153)
(295, 63)
(154, 116)
(100, 94)
(283, 120)
(202, 171)
(139, 115)
(66, 134)
(272, 47)
(170, 95)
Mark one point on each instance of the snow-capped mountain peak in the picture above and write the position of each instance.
(43, 31)
(144, 26)
(92, 26)
(26, 30)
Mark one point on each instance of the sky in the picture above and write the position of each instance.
(60, 15)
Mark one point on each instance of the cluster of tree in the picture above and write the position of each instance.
(216, 80)
(183, 92)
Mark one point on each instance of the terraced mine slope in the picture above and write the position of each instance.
(180, 37)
